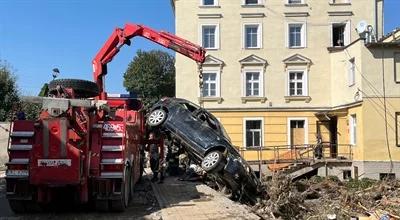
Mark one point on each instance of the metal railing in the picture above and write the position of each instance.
(297, 153)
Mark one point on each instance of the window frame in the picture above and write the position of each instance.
(259, 35)
(303, 36)
(396, 62)
(347, 33)
(289, 132)
(245, 133)
(353, 129)
(260, 78)
(304, 80)
(291, 3)
(217, 35)
(397, 128)
(216, 3)
(259, 2)
(217, 83)
(351, 72)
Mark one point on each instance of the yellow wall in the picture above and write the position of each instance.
(374, 129)
(275, 131)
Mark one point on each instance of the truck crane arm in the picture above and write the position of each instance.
(120, 37)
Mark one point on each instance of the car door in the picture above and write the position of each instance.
(190, 127)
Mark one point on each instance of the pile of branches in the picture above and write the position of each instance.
(318, 198)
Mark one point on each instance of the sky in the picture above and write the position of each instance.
(39, 35)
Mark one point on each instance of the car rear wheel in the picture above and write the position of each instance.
(157, 117)
(213, 161)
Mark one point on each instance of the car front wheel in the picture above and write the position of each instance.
(213, 162)
(157, 117)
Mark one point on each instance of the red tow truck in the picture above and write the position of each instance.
(84, 141)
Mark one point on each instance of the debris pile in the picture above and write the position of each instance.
(324, 198)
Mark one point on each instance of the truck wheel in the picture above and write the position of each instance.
(213, 162)
(82, 88)
(156, 117)
(131, 184)
(101, 205)
(17, 206)
(120, 204)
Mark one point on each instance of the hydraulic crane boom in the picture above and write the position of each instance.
(121, 37)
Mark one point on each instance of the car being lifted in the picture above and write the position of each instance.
(207, 143)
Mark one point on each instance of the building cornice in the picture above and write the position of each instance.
(252, 15)
(209, 16)
(288, 109)
(296, 14)
(340, 13)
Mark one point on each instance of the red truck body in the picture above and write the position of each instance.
(97, 154)
(92, 146)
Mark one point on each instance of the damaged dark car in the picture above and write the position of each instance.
(207, 144)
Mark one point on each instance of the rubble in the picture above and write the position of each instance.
(326, 198)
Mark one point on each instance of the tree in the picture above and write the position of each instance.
(8, 91)
(151, 75)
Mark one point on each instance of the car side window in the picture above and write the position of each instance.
(189, 107)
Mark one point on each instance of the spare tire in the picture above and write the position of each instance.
(82, 88)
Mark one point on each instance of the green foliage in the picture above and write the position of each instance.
(151, 75)
(8, 91)
(364, 183)
(31, 110)
(44, 91)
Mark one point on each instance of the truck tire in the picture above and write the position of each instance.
(101, 205)
(82, 88)
(119, 205)
(131, 184)
(17, 206)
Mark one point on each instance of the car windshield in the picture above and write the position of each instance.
(225, 133)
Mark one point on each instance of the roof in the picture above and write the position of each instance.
(391, 37)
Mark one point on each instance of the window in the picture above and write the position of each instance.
(387, 176)
(297, 124)
(340, 34)
(252, 2)
(253, 83)
(340, 1)
(353, 129)
(209, 2)
(297, 131)
(352, 72)
(346, 174)
(252, 36)
(210, 84)
(397, 128)
(253, 132)
(295, 1)
(296, 35)
(210, 36)
(397, 67)
(297, 84)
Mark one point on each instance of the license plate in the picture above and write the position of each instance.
(17, 173)
(54, 162)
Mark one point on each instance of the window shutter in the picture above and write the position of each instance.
(347, 33)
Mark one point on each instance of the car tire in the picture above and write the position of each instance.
(156, 117)
(82, 88)
(214, 161)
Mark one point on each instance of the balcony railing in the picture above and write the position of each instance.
(297, 153)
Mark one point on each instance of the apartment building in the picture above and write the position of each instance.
(287, 73)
